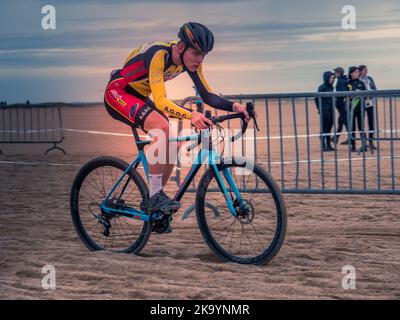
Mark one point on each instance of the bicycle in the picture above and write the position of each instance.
(110, 216)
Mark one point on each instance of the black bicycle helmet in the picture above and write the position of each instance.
(197, 36)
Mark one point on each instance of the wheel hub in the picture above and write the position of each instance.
(245, 212)
(116, 203)
(105, 217)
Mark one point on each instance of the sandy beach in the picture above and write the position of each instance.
(325, 233)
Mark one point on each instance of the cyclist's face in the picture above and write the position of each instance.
(193, 59)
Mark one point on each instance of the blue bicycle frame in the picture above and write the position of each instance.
(204, 154)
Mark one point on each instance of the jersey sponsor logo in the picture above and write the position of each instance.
(118, 97)
(143, 113)
(175, 113)
(121, 102)
(115, 94)
(170, 75)
(156, 76)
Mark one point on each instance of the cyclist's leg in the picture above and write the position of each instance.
(151, 119)
(135, 111)
(158, 127)
(169, 167)
(158, 120)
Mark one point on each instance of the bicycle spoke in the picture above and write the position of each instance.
(88, 197)
(244, 229)
(112, 182)
(96, 184)
(257, 235)
(241, 239)
(101, 183)
(92, 197)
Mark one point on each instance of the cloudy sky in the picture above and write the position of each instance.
(261, 46)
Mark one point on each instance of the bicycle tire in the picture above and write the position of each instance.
(281, 216)
(83, 172)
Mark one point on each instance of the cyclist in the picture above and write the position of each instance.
(144, 72)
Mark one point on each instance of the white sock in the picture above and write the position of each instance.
(155, 183)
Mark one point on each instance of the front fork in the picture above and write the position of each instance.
(231, 185)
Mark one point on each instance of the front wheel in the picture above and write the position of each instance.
(256, 232)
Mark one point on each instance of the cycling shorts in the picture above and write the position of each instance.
(126, 105)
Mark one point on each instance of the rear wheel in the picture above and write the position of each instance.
(256, 233)
(108, 231)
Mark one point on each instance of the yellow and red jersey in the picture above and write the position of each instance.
(148, 67)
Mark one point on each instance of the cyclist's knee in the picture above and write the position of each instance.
(155, 123)
(163, 130)
(164, 126)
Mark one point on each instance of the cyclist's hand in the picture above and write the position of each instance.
(199, 120)
(237, 107)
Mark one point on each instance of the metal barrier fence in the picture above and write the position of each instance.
(26, 123)
(289, 144)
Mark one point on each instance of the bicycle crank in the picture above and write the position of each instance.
(162, 224)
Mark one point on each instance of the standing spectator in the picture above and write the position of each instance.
(369, 102)
(340, 103)
(325, 110)
(355, 84)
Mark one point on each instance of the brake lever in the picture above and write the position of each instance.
(255, 122)
(250, 111)
(209, 116)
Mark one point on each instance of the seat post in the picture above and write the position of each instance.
(137, 138)
(135, 134)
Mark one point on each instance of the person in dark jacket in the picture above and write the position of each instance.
(325, 110)
(355, 104)
(341, 85)
(369, 103)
